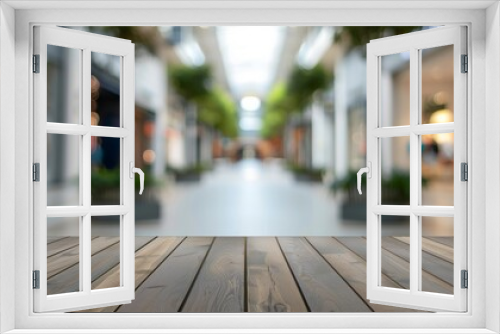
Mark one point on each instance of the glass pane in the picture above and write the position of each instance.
(106, 171)
(395, 89)
(63, 169)
(106, 263)
(437, 254)
(105, 89)
(437, 169)
(63, 84)
(395, 255)
(63, 255)
(437, 84)
(395, 170)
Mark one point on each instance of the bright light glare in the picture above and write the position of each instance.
(251, 56)
(250, 103)
(250, 123)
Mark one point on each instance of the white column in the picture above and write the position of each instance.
(318, 134)
(341, 121)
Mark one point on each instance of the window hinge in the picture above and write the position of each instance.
(464, 171)
(465, 64)
(36, 63)
(465, 279)
(36, 172)
(36, 279)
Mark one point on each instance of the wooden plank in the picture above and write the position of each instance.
(448, 241)
(61, 244)
(323, 289)
(435, 248)
(219, 286)
(53, 239)
(271, 287)
(430, 263)
(166, 288)
(70, 257)
(102, 262)
(397, 268)
(352, 268)
(147, 260)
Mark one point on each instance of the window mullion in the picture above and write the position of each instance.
(414, 172)
(86, 253)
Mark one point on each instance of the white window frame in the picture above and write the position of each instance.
(483, 21)
(86, 43)
(414, 43)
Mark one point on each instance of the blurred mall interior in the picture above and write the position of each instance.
(251, 131)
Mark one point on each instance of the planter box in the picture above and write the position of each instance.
(188, 177)
(299, 177)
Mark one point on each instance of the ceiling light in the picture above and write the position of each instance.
(250, 103)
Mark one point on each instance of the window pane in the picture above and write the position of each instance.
(437, 169)
(63, 84)
(106, 263)
(395, 89)
(437, 84)
(106, 176)
(63, 170)
(105, 89)
(63, 255)
(437, 254)
(395, 170)
(395, 254)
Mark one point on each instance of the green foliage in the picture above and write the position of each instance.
(218, 110)
(191, 82)
(276, 110)
(104, 180)
(215, 106)
(303, 83)
(362, 35)
(294, 96)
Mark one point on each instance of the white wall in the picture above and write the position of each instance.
(151, 93)
(7, 168)
(491, 166)
(350, 83)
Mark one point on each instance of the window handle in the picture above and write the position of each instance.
(368, 171)
(133, 170)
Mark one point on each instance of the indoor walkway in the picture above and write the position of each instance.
(249, 198)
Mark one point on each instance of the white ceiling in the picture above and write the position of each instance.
(187, 4)
(250, 55)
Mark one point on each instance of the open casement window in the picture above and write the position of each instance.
(415, 125)
(68, 139)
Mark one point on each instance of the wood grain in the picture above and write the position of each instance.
(448, 241)
(430, 263)
(70, 257)
(323, 289)
(147, 259)
(353, 269)
(271, 287)
(432, 247)
(397, 268)
(102, 262)
(165, 289)
(61, 244)
(219, 286)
